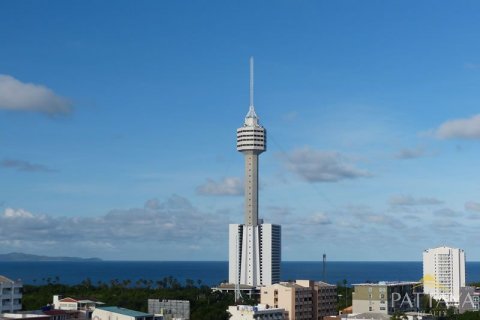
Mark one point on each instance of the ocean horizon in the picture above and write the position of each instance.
(214, 272)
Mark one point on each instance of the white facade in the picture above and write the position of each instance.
(117, 313)
(259, 312)
(254, 247)
(254, 254)
(70, 304)
(444, 273)
(10, 295)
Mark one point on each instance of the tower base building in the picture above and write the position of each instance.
(254, 254)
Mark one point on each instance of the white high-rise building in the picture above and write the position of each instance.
(254, 247)
(444, 273)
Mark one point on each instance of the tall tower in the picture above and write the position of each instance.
(254, 247)
(251, 141)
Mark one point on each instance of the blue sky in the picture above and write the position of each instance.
(118, 120)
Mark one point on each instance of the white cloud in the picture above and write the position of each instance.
(411, 153)
(174, 220)
(322, 166)
(447, 213)
(365, 215)
(230, 186)
(468, 128)
(406, 200)
(319, 218)
(25, 166)
(10, 213)
(383, 219)
(20, 96)
(472, 206)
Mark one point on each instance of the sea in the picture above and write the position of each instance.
(212, 273)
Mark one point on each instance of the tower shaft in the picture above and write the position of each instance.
(251, 188)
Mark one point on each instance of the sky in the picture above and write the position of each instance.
(118, 123)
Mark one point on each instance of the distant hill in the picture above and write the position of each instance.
(17, 256)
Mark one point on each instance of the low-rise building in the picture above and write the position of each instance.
(117, 313)
(69, 303)
(170, 309)
(302, 299)
(10, 295)
(294, 298)
(385, 297)
(259, 312)
(324, 298)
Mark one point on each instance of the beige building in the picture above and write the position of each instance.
(385, 297)
(303, 300)
(324, 298)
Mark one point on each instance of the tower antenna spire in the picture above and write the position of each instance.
(251, 82)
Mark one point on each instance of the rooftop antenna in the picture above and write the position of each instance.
(251, 82)
(324, 267)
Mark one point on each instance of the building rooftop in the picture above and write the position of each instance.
(260, 308)
(290, 285)
(5, 279)
(23, 316)
(125, 312)
(387, 283)
(54, 312)
(324, 284)
(80, 300)
(232, 286)
(369, 316)
(422, 314)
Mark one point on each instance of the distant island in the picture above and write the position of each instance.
(18, 256)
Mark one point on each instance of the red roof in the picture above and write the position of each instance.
(54, 312)
(68, 300)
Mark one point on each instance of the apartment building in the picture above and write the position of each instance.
(444, 274)
(324, 298)
(385, 297)
(176, 309)
(10, 295)
(294, 298)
